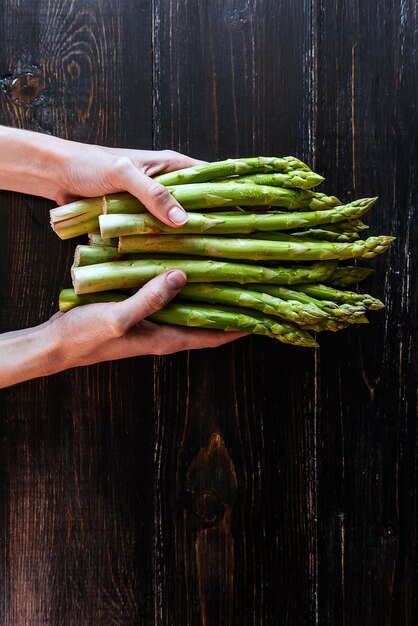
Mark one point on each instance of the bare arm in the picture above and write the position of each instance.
(102, 332)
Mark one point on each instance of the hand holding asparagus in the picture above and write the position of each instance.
(274, 272)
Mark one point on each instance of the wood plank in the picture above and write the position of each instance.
(76, 449)
(236, 544)
(255, 484)
(367, 426)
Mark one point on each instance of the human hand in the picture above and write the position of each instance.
(96, 170)
(103, 332)
(67, 170)
(116, 330)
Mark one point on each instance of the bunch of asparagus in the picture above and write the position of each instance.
(273, 271)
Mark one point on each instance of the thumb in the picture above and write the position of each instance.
(154, 196)
(150, 298)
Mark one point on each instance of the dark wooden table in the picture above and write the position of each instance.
(256, 484)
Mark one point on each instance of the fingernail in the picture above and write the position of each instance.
(178, 216)
(176, 279)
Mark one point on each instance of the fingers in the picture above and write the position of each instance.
(180, 338)
(154, 196)
(154, 162)
(150, 298)
(159, 339)
(177, 161)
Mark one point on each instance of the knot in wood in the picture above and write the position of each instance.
(212, 482)
(26, 88)
(209, 507)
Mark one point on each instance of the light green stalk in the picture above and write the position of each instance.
(89, 255)
(71, 218)
(213, 195)
(344, 312)
(87, 206)
(293, 311)
(95, 239)
(349, 225)
(348, 275)
(295, 179)
(333, 325)
(324, 292)
(216, 195)
(81, 217)
(131, 274)
(231, 319)
(252, 249)
(116, 225)
(324, 234)
(68, 299)
(190, 314)
(342, 231)
(236, 296)
(122, 203)
(231, 167)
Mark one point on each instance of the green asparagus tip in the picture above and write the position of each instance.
(374, 304)
(363, 320)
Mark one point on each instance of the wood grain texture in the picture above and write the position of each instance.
(240, 55)
(76, 449)
(367, 425)
(255, 484)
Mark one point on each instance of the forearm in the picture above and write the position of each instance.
(31, 162)
(27, 354)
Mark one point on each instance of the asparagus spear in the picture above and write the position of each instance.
(231, 167)
(283, 250)
(78, 218)
(76, 226)
(229, 318)
(192, 196)
(91, 255)
(349, 275)
(293, 311)
(212, 195)
(333, 325)
(344, 230)
(236, 296)
(190, 314)
(325, 234)
(87, 206)
(349, 225)
(345, 312)
(122, 203)
(299, 179)
(68, 299)
(88, 255)
(324, 292)
(130, 274)
(95, 239)
(222, 194)
(116, 225)
(201, 173)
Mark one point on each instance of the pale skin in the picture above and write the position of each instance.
(63, 171)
